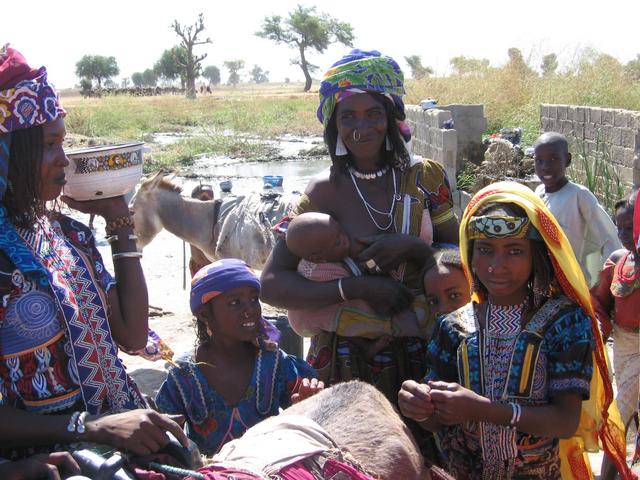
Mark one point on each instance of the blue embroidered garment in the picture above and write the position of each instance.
(549, 357)
(210, 421)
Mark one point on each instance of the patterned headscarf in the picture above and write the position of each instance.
(26, 100)
(361, 72)
(600, 416)
(218, 277)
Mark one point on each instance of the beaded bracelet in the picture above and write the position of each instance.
(80, 427)
(119, 255)
(117, 223)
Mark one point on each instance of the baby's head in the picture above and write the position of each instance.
(317, 237)
(445, 286)
(202, 192)
(551, 159)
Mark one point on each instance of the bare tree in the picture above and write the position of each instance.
(189, 39)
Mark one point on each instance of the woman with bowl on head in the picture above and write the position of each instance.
(390, 204)
(62, 313)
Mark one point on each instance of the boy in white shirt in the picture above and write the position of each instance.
(585, 222)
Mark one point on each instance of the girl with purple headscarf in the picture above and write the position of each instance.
(239, 376)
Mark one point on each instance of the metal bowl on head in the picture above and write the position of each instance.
(103, 171)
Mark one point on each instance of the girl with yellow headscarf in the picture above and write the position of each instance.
(518, 377)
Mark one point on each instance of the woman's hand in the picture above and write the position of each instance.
(455, 404)
(388, 251)
(384, 294)
(52, 466)
(109, 208)
(139, 431)
(414, 400)
(308, 388)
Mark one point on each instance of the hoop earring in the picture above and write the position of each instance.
(356, 136)
(341, 148)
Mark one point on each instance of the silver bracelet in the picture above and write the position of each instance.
(516, 412)
(115, 238)
(80, 427)
(119, 255)
(342, 295)
(420, 420)
(71, 426)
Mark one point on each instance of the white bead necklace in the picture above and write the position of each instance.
(370, 208)
(369, 175)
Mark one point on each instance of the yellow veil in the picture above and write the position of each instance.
(600, 416)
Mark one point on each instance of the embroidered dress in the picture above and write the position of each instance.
(56, 349)
(210, 421)
(549, 357)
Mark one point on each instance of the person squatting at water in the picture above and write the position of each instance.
(63, 315)
(509, 389)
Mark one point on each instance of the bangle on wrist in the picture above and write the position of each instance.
(115, 238)
(119, 255)
(76, 423)
(71, 426)
(341, 291)
(420, 420)
(516, 412)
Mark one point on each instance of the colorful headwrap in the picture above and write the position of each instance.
(361, 72)
(218, 277)
(600, 416)
(26, 100)
(494, 226)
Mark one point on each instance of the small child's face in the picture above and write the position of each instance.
(624, 223)
(551, 161)
(446, 289)
(235, 314)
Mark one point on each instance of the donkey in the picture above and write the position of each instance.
(236, 226)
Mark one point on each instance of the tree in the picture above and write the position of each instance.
(516, 62)
(304, 29)
(169, 67)
(549, 64)
(137, 79)
(149, 78)
(417, 69)
(97, 67)
(125, 82)
(258, 75)
(465, 66)
(632, 69)
(234, 66)
(189, 36)
(212, 73)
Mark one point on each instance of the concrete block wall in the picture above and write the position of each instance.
(592, 128)
(470, 123)
(431, 141)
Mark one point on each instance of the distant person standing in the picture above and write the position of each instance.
(198, 259)
(585, 222)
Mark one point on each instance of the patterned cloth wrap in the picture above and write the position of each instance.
(360, 72)
(26, 100)
(225, 274)
(600, 417)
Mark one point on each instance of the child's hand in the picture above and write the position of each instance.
(414, 400)
(308, 388)
(455, 404)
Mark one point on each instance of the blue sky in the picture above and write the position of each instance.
(136, 32)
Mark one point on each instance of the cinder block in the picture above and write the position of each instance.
(617, 155)
(595, 115)
(571, 113)
(620, 119)
(544, 110)
(607, 117)
(449, 140)
(628, 138)
(629, 157)
(553, 111)
(562, 112)
(580, 114)
(566, 127)
(616, 136)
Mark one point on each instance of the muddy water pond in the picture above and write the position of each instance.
(293, 161)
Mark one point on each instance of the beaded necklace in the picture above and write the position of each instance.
(368, 175)
(370, 208)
